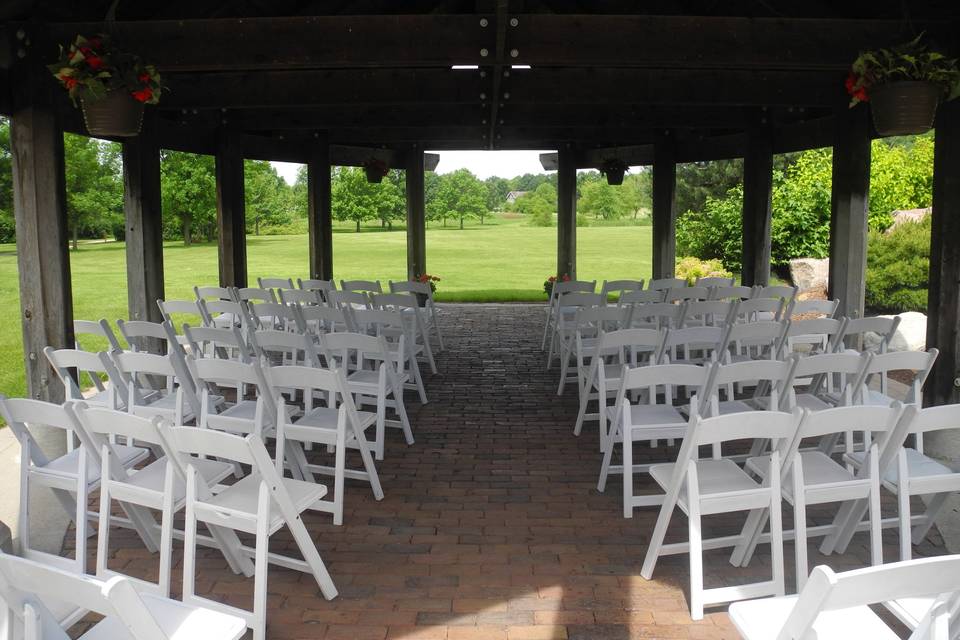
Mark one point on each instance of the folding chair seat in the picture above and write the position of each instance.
(365, 286)
(663, 284)
(873, 334)
(813, 477)
(160, 485)
(625, 347)
(684, 293)
(335, 423)
(646, 420)
(371, 373)
(393, 326)
(561, 288)
(36, 594)
(99, 329)
(836, 606)
(261, 503)
(713, 282)
(424, 293)
(71, 477)
(406, 304)
(706, 487)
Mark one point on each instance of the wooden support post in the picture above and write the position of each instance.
(231, 218)
(757, 201)
(848, 211)
(319, 212)
(664, 204)
(567, 212)
(144, 225)
(40, 210)
(416, 214)
(943, 301)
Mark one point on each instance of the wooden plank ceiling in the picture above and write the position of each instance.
(492, 74)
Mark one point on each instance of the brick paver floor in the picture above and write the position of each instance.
(491, 527)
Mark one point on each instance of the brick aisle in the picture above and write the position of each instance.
(491, 527)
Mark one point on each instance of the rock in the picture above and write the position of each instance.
(908, 215)
(810, 273)
(911, 334)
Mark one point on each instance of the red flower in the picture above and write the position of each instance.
(851, 82)
(143, 94)
(861, 95)
(144, 77)
(95, 42)
(69, 82)
(95, 62)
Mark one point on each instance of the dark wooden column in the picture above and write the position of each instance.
(416, 214)
(40, 210)
(757, 212)
(144, 232)
(848, 211)
(319, 213)
(943, 301)
(231, 218)
(566, 212)
(664, 204)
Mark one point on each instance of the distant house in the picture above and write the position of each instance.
(512, 196)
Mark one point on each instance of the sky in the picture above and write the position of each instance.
(483, 164)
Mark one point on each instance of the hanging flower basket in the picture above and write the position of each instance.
(115, 115)
(903, 85)
(376, 169)
(111, 86)
(614, 169)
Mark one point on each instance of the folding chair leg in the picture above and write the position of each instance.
(929, 517)
(262, 567)
(876, 542)
(339, 480)
(903, 507)
(418, 380)
(749, 535)
(368, 464)
(800, 531)
(401, 408)
(607, 458)
(627, 453)
(381, 427)
(312, 557)
(696, 545)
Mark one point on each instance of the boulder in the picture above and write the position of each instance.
(810, 273)
(911, 333)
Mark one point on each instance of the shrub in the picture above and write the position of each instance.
(691, 268)
(898, 264)
(714, 233)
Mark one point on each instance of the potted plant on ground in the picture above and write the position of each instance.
(904, 85)
(548, 284)
(110, 85)
(426, 278)
(376, 169)
(613, 169)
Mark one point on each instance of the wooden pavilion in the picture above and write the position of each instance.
(336, 83)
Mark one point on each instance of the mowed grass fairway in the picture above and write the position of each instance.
(503, 261)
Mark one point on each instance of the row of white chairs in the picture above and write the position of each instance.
(169, 469)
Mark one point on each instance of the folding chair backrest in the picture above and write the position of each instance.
(354, 342)
(100, 424)
(631, 343)
(660, 284)
(934, 419)
(300, 296)
(572, 286)
(766, 334)
(190, 441)
(322, 319)
(369, 286)
(748, 310)
(330, 382)
(709, 339)
(679, 294)
(846, 369)
(619, 287)
(191, 308)
(134, 362)
(271, 315)
(731, 293)
(93, 364)
(775, 425)
(275, 283)
(884, 328)
(599, 318)
(713, 281)
(214, 293)
(254, 294)
(871, 419)
(300, 348)
(920, 362)
(230, 308)
(579, 299)
(321, 286)
(99, 328)
(228, 372)
(139, 333)
(227, 343)
(394, 301)
(354, 299)
(18, 413)
(712, 313)
(825, 308)
(655, 315)
(829, 591)
(775, 291)
(724, 377)
(375, 321)
(646, 296)
(411, 286)
(662, 375)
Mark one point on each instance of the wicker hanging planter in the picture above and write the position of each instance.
(116, 115)
(904, 108)
(614, 170)
(376, 169)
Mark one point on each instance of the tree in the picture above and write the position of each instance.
(268, 200)
(637, 193)
(540, 204)
(94, 187)
(497, 190)
(392, 204)
(697, 181)
(188, 188)
(7, 226)
(460, 194)
(353, 197)
(603, 201)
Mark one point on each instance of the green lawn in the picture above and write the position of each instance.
(507, 260)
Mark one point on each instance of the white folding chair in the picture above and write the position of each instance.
(242, 416)
(176, 400)
(160, 485)
(275, 283)
(254, 295)
(100, 329)
(713, 281)
(647, 420)
(625, 347)
(323, 287)
(707, 487)
(425, 295)
(873, 334)
(816, 335)
(654, 315)
(214, 293)
(663, 284)
(338, 424)
(406, 304)
(831, 379)
(731, 293)
(645, 296)
(708, 313)
(349, 300)
(226, 343)
(820, 308)
(920, 363)
(760, 310)
(559, 289)
(35, 595)
(365, 286)
(304, 297)
(836, 606)
(564, 324)
(224, 313)
(71, 477)
(760, 340)
(589, 324)
(684, 293)
(275, 347)
(813, 477)
(84, 362)
(393, 326)
(694, 345)
(372, 373)
(619, 288)
(260, 504)
(317, 320)
(185, 311)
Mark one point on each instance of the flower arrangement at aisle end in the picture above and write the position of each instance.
(426, 278)
(110, 85)
(548, 284)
